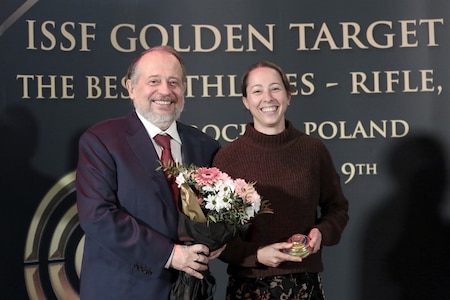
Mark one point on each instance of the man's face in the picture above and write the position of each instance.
(157, 89)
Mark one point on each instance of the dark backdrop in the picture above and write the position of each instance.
(371, 80)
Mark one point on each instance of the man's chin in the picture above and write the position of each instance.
(162, 121)
(161, 118)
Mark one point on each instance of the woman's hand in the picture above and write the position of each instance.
(273, 255)
(315, 242)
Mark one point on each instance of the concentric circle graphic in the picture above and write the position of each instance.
(54, 245)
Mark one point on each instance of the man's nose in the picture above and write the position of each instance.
(164, 87)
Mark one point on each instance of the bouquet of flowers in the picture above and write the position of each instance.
(214, 209)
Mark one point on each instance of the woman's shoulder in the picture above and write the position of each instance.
(232, 146)
(306, 141)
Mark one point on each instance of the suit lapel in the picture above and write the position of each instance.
(191, 149)
(145, 152)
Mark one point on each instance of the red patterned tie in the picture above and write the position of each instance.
(166, 156)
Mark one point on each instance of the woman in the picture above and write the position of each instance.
(295, 173)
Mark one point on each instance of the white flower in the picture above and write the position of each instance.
(249, 212)
(222, 202)
(252, 210)
(208, 189)
(180, 179)
(210, 201)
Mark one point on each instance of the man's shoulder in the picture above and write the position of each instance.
(111, 124)
(192, 131)
(193, 136)
(111, 128)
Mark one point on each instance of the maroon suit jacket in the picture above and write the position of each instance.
(126, 209)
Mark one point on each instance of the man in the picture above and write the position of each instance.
(125, 205)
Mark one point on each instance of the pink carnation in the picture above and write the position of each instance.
(253, 197)
(246, 191)
(225, 177)
(207, 176)
(240, 187)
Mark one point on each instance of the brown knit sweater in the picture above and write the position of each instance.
(296, 174)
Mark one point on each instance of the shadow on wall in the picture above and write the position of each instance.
(406, 251)
(21, 189)
(73, 150)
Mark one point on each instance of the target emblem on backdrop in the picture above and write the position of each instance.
(54, 245)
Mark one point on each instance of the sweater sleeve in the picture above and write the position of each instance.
(332, 202)
(241, 253)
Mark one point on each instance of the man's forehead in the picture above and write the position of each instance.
(158, 64)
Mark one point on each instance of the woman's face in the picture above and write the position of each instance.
(267, 100)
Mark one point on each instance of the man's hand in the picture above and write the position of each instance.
(191, 259)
